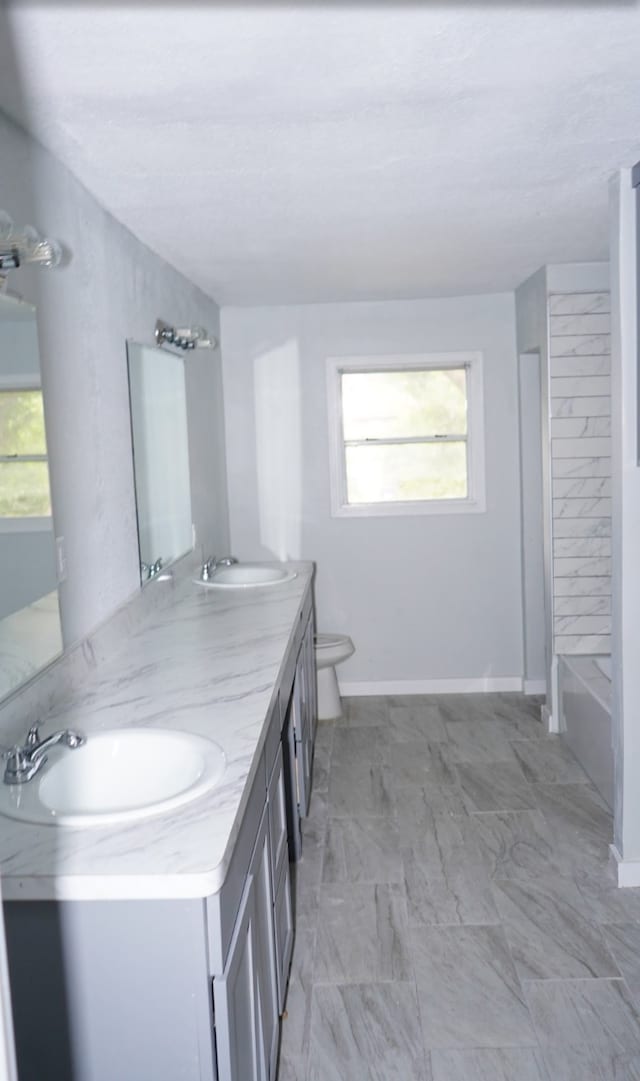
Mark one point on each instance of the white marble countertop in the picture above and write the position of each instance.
(206, 663)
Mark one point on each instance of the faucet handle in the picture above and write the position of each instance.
(208, 566)
(33, 736)
(16, 765)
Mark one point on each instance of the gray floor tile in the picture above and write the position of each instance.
(367, 1032)
(548, 936)
(319, 804)
(291, 1069)
(410, 723)
(321, 763)
(478, 741)
(548, 761)
(623, 940)
(603, 901)
(295, 1024)
(579, 817)
(414, 763)
(517, 845)
(361, 790)
(469, 993)
(354, 747)
(460, 809)
(462, 707)
(309, 868)
(487, 1064)
(362, 935)
(363, 711)
(418, 804)
(500, 786)
(590, 1064)
(307, 906)
(521, 714)
(362, 850)
(584, 1013)
(444, 873)
(324, 734)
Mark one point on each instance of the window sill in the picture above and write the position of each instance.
(385, 510)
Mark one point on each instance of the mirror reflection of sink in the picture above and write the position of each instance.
(245, 575)
(116, 776)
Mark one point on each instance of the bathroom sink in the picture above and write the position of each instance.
(117, 776)
(247, 575)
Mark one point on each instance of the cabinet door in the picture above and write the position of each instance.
(302, 730)
(267, 979)
(283, 914)
(240, 1048)
(277, 820)
(312, 680)
(291, 784)
(246, 995)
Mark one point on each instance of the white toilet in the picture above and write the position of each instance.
(331, 649)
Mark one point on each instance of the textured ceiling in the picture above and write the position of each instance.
(307, 153)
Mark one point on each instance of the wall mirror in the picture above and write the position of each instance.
(158, 401)
(30, 634)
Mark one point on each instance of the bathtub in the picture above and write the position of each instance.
(584, 685)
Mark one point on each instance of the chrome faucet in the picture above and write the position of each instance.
(150, 570)
(24, 762)
(211, 564)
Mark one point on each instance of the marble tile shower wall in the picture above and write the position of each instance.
(580, 428)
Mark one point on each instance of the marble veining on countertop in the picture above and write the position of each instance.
(207, 663)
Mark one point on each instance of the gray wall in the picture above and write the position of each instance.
(112, 289)
(425, 597)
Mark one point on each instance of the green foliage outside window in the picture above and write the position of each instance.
(401, 406)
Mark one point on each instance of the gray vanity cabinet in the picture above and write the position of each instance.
(177, 989)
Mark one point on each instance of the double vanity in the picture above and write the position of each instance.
(150, 931)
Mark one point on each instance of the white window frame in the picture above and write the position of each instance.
(27, 524)
(474, 502)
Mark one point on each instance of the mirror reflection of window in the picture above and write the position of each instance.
(30, 633)
(161, 455)
(24, 473)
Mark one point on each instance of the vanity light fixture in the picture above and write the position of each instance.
(25, 245)
(183, 337)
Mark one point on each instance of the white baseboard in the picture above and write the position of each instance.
(627, 871)
(534, 686)
(432, 686)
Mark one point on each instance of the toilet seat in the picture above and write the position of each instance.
(332, 648)
(326, 641)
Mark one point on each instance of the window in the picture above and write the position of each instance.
(406, 434)
(24, 473)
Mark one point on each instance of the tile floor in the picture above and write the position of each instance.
(457, 918)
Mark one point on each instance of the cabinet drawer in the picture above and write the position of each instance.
(277, 821)
(283, 922)
(222, 907)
